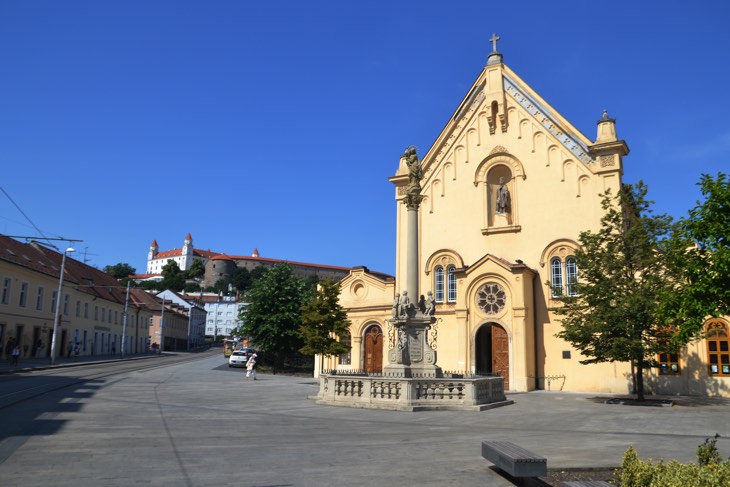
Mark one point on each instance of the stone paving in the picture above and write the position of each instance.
(202, 423)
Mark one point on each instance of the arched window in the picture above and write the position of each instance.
(571, 276)
(718, 348)
(556, 277)
(438, 284)
(346, 340)
(563, 274)
(451, 282)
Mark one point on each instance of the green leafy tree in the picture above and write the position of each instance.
(120, 271)
(192, 287)
(220, 286)
(613, 317)
(324, 322)
(241, 279)
(197, 270)
(698, 259)
(151, 286)
(272, 316)
(172, 277)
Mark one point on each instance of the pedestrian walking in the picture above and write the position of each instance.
(15, 354)
(251, 366)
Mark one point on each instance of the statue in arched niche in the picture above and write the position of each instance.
(503, 198)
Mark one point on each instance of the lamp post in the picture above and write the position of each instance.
(57, 317)
(162, 328)
(124, 325)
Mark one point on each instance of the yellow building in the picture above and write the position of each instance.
(507, 188)
(92, 303)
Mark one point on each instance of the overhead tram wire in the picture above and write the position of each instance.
(34, 225)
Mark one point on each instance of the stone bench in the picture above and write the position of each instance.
(513, 459)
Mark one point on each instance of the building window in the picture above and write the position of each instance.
(66, 299)
(6, 290)
(86, 310)
(346, 358)
(668, 363)
(451, 282)
(39, 299)
(491, 298)
(718, 348)
(54, 298)
(556, 277)
(78, 309)
(571, 276)
(23, 295)
(438, 284)
(563, 276)
(96, 313)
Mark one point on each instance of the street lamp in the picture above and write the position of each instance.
(57, 317)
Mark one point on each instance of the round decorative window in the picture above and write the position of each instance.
(491, 298)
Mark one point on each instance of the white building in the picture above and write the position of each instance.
(184, 256)
(196, 316)
(222, 315)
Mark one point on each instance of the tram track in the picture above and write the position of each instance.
(28, 385)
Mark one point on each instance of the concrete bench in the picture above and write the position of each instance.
(513, 459)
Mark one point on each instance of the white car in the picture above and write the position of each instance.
(239, 357)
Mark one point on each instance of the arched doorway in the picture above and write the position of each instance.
(492, 351)
(373, 359)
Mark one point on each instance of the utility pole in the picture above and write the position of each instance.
(124, 322)
(162, 328)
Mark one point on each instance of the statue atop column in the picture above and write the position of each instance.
(415, 174)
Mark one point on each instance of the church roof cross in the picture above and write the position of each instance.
(494, 40)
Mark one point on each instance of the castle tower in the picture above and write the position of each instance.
(186, 256)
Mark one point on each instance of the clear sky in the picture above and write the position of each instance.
(275, 124)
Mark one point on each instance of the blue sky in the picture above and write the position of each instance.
(275, 125)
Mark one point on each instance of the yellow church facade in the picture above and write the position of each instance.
(507, 188)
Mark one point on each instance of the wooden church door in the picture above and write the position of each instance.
(500, 353)
(374, 350)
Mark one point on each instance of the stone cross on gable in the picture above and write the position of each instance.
(494, 40)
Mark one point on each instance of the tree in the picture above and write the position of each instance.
(241, 279)
(698, 258)
(197, 270)
(119, 271)
(324, 322)
(273, 314)
(172, 277)
(622, 273)
(192, 287)
(151, 286)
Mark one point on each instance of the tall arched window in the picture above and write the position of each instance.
(563, 277)
(571, 276)
(718, 347)
(346, 358)
(451, 282)
(438, 284)
(556, 277)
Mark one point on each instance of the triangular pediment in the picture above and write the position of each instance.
(501, 113)
(492, 263)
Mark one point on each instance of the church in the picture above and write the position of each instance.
(506, 189)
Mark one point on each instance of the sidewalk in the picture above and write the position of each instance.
(26, 364)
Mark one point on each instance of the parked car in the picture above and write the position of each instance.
(239, 357)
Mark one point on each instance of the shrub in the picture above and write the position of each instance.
(710, 472)
(707, 453)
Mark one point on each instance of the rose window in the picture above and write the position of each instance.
(491, 298)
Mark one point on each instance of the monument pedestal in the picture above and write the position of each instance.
(412, 342)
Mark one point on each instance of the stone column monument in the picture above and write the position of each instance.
(412, 328)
